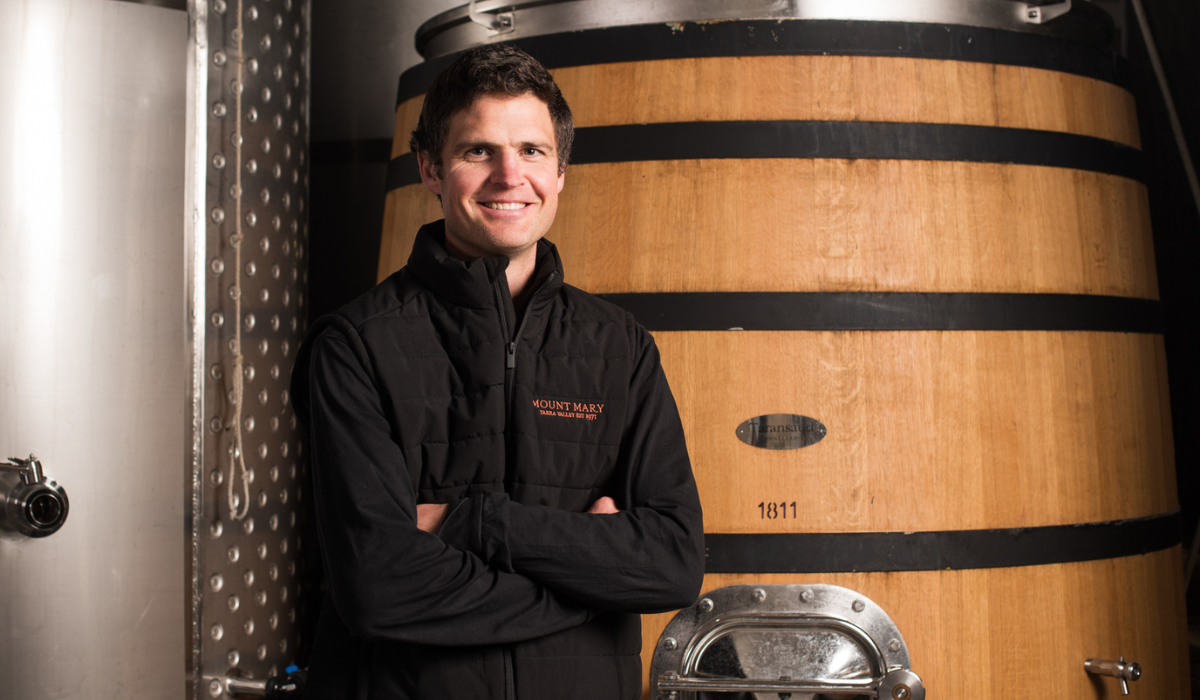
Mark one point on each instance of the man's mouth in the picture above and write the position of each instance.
(505, 205)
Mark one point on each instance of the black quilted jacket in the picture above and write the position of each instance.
(430, 389)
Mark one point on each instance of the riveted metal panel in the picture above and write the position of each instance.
(248, 482)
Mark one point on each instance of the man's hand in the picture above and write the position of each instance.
(431, 515)
(603, 506)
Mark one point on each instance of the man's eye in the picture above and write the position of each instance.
(477, 152)
(532, 151)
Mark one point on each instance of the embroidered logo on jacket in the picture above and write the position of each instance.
(568, 409)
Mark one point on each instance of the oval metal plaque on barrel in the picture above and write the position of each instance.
(781, 431)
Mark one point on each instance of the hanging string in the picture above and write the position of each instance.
(237, 465)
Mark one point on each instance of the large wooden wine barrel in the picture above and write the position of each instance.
(931, 236)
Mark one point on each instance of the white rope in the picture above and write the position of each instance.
(237, 464)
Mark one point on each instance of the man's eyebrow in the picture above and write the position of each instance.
(468, 145)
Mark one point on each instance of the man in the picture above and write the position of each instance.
(500, 473)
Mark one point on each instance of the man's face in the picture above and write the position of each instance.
(500, 181)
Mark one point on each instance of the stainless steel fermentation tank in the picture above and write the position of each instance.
(153, 226)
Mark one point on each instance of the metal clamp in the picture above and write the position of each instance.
(33, 505)
(496, 22)
(1126, 672)
(1040, 14)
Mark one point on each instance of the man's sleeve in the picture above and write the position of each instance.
(647, 558)
(388, 579)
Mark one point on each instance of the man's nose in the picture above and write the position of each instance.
(507, 170)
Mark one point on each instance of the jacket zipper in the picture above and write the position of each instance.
(510, 368)
(510, 687)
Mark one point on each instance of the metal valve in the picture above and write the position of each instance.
(30, 503)
(1117, 669)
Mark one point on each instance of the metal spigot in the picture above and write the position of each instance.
(33, 505)
(1125, 672)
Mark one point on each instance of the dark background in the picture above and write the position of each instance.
(358, 52)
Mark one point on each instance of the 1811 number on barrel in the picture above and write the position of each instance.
(773, 511)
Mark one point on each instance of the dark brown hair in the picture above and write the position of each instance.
(488, 70)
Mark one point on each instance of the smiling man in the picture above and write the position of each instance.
(501, 478)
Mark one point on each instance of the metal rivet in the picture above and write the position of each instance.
(283, 594)
(760, 595)
(901, 692)
(273, 572)
(283, 347)
(251, 268)
(248, 626)
(276, 222)
(252, 166)
(858, 606)
(234, 293)
(248, 371)
(218, 161)
(217, 319)
(248, 525)
(260, 598)
(252, 115)
(263, 397)
(235, 35)
(233, 554)
(283, 448)
(216, 529)
(296, 30)
(233, 657)
(215, 688)
(894, 645)
(217, 214)
(252, 13)
(219, 110)
(287, 51)
(262, 551)
(264, 244)
(251, 218)
(217, 265)
(234, 602)
(248, 577)
(262, 450)
(216, 477)
(806, 596)
(283, 498)
(283, 646)
(273, 523)
(275, 319)
(215, 582)
(705, 605)
(234, 191)
(273, 620)
(265, 196)
(215, 424)
(219, 6)
(277, 171)
(295, 79)
(265, 44)
(219, 58)
(266, 145)
(278, 72)
(262, 503)
(248, 322)
(669, 643)
(216, 632)
(263, 345)
(274, 426)
(261, 652)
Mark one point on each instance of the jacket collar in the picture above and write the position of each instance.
(471, 284)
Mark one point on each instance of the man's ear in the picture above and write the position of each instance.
(429, 174)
